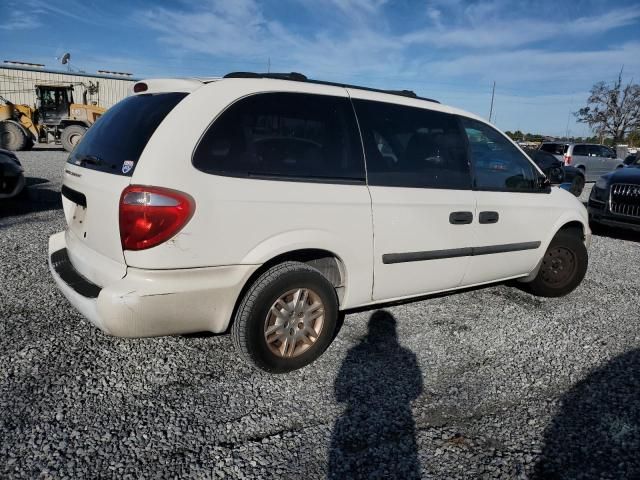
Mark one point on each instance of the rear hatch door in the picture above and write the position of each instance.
(96, 173)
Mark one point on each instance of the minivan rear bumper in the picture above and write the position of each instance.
(148, 303)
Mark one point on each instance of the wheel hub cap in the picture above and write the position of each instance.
(558, 266)
(294, 322)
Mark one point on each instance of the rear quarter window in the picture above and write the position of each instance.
(580, 150)
(116, 141)
(284, 136)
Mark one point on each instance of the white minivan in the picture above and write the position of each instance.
(270, 204)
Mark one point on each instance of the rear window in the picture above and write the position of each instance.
(554, 148)
(116, 141)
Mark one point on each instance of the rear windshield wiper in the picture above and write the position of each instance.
(89, 160)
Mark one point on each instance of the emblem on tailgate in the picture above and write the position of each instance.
(127, 166)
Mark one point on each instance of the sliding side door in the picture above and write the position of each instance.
(422, 202)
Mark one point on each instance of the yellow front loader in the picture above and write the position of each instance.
(55, 119)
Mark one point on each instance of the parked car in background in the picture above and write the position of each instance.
(260, 217)
(11, 175)
(594, 160)
(615, 198)
(557, 149)
(569, 178)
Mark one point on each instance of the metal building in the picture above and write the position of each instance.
(17, 84)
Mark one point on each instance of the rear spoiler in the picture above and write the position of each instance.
(164, 85)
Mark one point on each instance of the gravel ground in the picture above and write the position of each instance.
(489, 383)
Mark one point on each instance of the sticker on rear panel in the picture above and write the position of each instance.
(127, 166)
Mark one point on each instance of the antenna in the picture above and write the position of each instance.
(493, 93)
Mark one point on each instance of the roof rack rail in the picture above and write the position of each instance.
(299, 77)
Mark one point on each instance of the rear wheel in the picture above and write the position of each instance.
(12, 136)
(71, 136)
(564, 265)
(286, 319)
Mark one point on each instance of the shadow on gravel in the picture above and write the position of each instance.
(375, 437)
(32, 199)
(596, 434)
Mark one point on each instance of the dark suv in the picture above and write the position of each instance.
(569, 178)
(615, 198)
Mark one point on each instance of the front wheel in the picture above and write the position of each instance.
(564, 265)
(286, 319)
(12, 136)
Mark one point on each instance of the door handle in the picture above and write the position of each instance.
(460, 218)
(489, 217)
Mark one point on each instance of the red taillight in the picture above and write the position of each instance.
(140, 87)
(567, 159)
(152, 215)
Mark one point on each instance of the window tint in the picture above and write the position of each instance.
(606, 152)
(543, 159)
(594, 150)
(122, 133)
(311, 137)
(412, 147)
(497, 163)
(580, 150)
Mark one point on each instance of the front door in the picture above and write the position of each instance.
(513, 212)
(422, 202)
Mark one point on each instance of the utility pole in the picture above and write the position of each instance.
(269, 65)
(569, 116)
(493, 93)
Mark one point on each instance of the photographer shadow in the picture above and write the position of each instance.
(375, 437)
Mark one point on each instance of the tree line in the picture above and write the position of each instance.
(612, 112)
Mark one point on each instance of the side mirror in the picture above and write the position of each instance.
(544, 183)
(555, 175)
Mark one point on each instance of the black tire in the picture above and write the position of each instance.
(564, 265)
(12, 136)
(249, 324)
(71, 135)
(577, 185)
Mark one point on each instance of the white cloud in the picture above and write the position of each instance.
(453, 45)
(543, 66)
(21, 22)
(485, 30)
